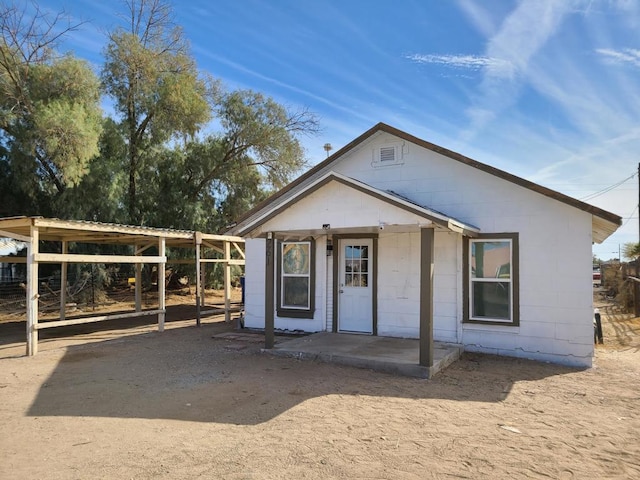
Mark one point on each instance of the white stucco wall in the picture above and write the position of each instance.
(254, 299)
(554, 245)
(399, 286)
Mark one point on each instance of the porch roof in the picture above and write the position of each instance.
(251, 227)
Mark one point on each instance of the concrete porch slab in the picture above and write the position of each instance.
(383, 354)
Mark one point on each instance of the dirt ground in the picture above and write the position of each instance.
(113, 402)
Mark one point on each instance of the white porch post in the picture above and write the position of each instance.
(427, 239)
(161, 286)
(32, 293)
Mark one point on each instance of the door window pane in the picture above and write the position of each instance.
(356, 266)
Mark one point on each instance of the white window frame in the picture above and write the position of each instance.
(512, 320)
(284, 275)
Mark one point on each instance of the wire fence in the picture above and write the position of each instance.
(92, 287)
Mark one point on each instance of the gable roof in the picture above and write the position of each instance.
(391, 198)
(604, 223)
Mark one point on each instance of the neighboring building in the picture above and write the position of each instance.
(395, 236)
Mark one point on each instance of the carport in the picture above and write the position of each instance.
(143, 240)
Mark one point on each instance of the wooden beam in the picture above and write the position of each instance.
(212, 246)
(269, 336)
(240, 251)
(15, 236)
(139, 249)
(24, 222)
(8, 259)
(77, 258)
(100, 318)
(427, 240)
(220, 238)
(219, 311)
(232, 261)
(183, 261)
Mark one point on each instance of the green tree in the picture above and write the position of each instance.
(50, 119)
(209, 183)
(631, 251)
(156, 88)
(99, 195)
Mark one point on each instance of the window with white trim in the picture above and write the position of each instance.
(296, 282)
(491, 280)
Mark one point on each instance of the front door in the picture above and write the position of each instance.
(355, 291)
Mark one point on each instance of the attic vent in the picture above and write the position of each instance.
(387, 154)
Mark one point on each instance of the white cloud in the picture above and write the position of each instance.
(479, 17)
(522, 34)
(473, 62)
(624, 56)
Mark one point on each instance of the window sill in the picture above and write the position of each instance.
(292, 313)
(515, 329)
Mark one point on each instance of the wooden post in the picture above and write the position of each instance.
(197, 238)
(427, 239)
(269, 338)
(227, 282)
(32, 293)
(636, 296)
(203, 282)
(138, 251)
(63, 282)
(161, 285)
(598, 330)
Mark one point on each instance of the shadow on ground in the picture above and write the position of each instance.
(622, 330)
(15, 332)
(188, 374)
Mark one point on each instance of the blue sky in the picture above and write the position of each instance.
(548, 90)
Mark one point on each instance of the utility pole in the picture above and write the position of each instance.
(638, 202)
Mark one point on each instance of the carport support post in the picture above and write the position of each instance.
(32, 293)
(161, 284)
(63, 282)
(197, 238)
(269, 338)
(427, 238)
(227, 282)
(203, 283)
(138, 285)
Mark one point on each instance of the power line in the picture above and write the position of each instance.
(626, 220)
(608, 189)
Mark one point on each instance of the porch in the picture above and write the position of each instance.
(384, 354)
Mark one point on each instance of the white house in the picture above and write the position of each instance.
(395, 236)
